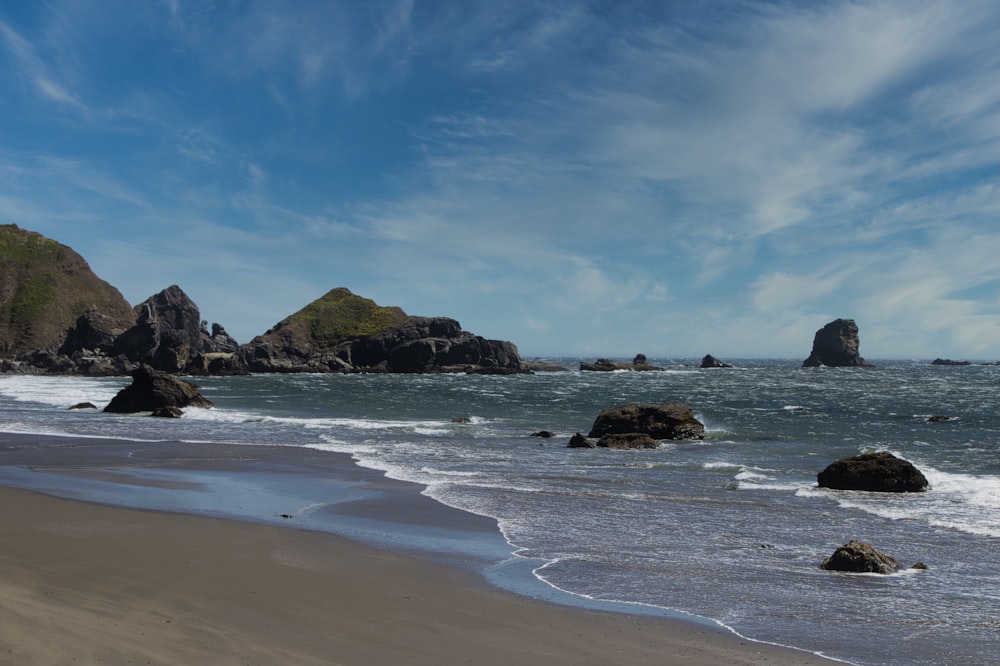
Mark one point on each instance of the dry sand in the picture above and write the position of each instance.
(87, 584)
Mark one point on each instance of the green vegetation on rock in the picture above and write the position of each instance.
(336, 316)
(44, 288)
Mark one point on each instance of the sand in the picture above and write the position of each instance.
(90, 584)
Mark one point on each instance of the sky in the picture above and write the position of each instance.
(580, 178)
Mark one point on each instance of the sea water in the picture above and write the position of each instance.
(732, 528)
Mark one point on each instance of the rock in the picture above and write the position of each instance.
(342, 332)
(167, 412)
(151, 389)
(84, 405)
(544, 434)
(836, 345)
(711, 362)
(45, 287)
(169, 334)
(627, 440)
(93, 332)
(538, 365)
(606, 365)
(859, 557)
(666, 421)
(919, 565)
(940, 418)
(948, 361)
(877, 472)
(578, 441)
(461, 419)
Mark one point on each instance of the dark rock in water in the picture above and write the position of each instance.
(859, 557)
(544, 434)
(711, 362)
(919, 565)
(948, 361)
(84, 405)
(940, 418)
(167, 412)
(538, 365)
(578, 441)
(666, 421)
(877, 472)
(836, 345)
(627, 440)
(151, 389)
(606, 365)
(461, 419)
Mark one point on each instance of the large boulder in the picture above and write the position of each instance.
(152, 389)
(859, 557)
(665, 421)
(836, 345)
(878, 472)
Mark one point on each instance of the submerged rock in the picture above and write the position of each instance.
(859, 557)
(666, 421)
(578, 441)
(877, 472)
(638, 364)
(836, 345)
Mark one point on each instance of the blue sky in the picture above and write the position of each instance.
(603, 178)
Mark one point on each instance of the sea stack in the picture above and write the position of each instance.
(836, 345)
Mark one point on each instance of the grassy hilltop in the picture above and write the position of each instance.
(44, 288)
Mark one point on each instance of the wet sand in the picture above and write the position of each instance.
(86, 583)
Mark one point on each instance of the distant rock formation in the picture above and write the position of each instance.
(169, 334)
(859, 557)
(342, 332)
(711, 362)
(666, 421)
(539, 365)
(151, 390)
(876, 472)
(638, 364)
(45, 287)
(836, 345)
(948, 361)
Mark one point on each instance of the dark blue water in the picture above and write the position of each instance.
(731, 528)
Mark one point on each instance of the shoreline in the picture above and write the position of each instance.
(96, 583)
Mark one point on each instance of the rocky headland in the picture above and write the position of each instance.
(58, 317)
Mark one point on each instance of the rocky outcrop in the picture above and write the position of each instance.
(836, 345)
(859, 557)
(578, 441)
(711, 362)
(666, 421)
(45, 287)
(948, 361)
(151, 390)
(876, 472)
(342, 332)
(169, 334)
(627, 440)
(638, 364)
(539, 365)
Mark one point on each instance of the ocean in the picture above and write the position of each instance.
(730, 530)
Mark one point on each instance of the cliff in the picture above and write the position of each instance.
(45, 287)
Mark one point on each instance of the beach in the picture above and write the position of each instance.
(86, 583)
